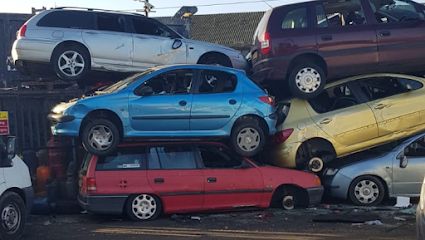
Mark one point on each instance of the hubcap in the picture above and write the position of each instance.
(366, 191)
(308, 80)
(100, 137)
(71, 63)
(144, 206)
(315, 164)
(11, 218)
(248, 139)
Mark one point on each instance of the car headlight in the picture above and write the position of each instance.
(331, 171)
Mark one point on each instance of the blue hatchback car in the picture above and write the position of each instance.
(171, 102)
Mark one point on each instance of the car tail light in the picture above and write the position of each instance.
(267, 99)
(282, 136)
(22, 30)
(91, 184)
(265, 43)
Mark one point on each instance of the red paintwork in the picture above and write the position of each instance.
(251, 180)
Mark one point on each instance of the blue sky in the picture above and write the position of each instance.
(162, 7)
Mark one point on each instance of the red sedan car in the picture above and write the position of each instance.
(146, 180)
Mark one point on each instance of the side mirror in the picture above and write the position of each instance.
(403, 161)
(177, 43)
(145, 91)
(11, 148)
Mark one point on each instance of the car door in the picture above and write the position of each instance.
(112, 43)
(156, 44)
(408, 180)
(216, 100)
(394, 102)
(400, 30)
(343, 115)
(175, 177)
(167, 105)
(345, 38)
(229, 181)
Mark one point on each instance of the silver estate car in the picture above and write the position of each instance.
(367, 178)
(75, 41)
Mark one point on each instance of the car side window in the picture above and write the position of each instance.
(217, 157)
(340, 13)
(123, 159)
(416, 149)
(110, 22)
(176, 157)
(382, 87)
(396, 11)
(217, 82)
(295, 19)
(172, 82)
(68, 19)
(334, 98)
(149, 27)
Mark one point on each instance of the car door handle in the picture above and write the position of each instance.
(211, 180)
(326, 37)
(326, 121)
(385, 33)
(380, 106)
(232, 101)
(182, 103)
(158, 180)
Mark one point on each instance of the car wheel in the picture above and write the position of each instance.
(215, 59)
(247, 137)
(71, 63)
(143, 207)
(315, 164)
(13, 216)
(306, 80)
(100, 137)
(367, 191)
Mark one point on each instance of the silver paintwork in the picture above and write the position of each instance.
(399, 181)
(248, 139)
(144, 207)
(115, 51)
(308, 80)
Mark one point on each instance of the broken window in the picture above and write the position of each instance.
(172, 82)
(390, 11)
(217, 82)
(382, 87)
(110, 22)
(340, 13)
(333, 98)
(296, 18)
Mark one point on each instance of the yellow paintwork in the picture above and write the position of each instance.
(355, 128)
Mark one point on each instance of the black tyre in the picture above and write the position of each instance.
(247, 137)
(215, 59)
(100, 137)
(306, 80)
(366, 191)
(13, 216)
(71, 63)
(143, 207)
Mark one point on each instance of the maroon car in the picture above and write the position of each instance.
(307, 44)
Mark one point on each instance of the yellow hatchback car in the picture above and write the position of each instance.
(349, 116)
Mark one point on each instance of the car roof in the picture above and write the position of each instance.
(95, 10)
(350, 79)
(199, 66)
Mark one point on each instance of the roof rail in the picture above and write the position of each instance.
(99, 9)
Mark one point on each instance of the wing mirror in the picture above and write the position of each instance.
(177, 43)
(403, 160)
(145, 91)
(8, 152)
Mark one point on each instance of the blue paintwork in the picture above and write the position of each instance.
(205, 115)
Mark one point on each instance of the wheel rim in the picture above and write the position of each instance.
(11, 218)
(308, 80)
(366, 191)
(71, 63)
(316, 164)
(248, 139)
(100, 137)
(144, 206)
(288, 202)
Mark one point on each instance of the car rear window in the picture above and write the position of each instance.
(130, 159)
(68, 19)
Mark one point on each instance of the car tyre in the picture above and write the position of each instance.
(366, 191)
(71, 63)
(100, 137)
(13, 216)
(306, 80)
(247, 137)
(143, 207)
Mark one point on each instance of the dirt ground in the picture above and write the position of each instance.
(389, 223)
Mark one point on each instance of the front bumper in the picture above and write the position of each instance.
(65, 125)
(315, 195)
(336, 186)
(103, 204)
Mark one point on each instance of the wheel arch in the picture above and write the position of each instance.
(309, 56)
(103, 113)
(215, 53)
(312, 143)
(261, 120)
(384, 183)
(18, 191)
(299, 193)
(68, 43)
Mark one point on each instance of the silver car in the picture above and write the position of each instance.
(75, 41)
(367, 178)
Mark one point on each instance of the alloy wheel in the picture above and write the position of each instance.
(71, 63)
(100, 137)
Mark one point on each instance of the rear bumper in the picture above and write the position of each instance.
(315, 195)
(270, 69)
(103, 204)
